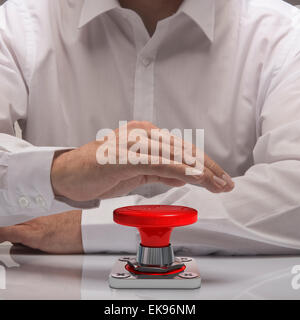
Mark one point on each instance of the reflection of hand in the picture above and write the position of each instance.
(59, 233)
(77, 174)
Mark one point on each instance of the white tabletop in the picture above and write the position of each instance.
(28, 274)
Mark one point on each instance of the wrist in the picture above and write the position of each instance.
(59, 172)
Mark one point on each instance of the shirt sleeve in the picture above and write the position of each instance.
(262, 214)
(25, 186)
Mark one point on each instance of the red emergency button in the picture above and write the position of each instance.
(155, 222)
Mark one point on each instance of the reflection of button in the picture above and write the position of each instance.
(2, 278)
(146, 61)
(23, 202)
(40, 201)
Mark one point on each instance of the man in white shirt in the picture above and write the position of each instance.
(231, 67)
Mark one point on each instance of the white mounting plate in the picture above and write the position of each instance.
(130, 281)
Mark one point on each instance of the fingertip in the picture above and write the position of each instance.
(226, 177)
(219, 182)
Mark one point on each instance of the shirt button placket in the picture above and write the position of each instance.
(146, 61)
(144, 89)
(144, 76)
(144, 80)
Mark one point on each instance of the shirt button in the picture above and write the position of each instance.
(146, 61)
(23, 202)
(40, 201)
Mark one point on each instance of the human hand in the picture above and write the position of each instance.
(59, 233)
(78, 174)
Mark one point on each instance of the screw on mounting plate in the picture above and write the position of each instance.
(188, 275)
(185, 259)
(125, 259)
(120, 275)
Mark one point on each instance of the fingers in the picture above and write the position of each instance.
(167, 181)
(155, 166)
(21, 234)
(213, 183)
(158, 153)
(177, 171)
(58, 233)
(219, 173)
(194, 158)
(172, 182)
(12, 234)
(125, 186)
(161, 144)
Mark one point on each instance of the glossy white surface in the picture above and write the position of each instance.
(28, 274)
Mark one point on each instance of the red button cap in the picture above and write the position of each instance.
(155, 222)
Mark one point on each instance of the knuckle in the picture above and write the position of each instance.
(146, 124)
(211, 165)
(133, 124)
(208, 177)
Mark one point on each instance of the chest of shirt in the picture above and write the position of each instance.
(110, 72)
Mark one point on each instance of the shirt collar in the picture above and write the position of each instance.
(93, 8)
(201, 11)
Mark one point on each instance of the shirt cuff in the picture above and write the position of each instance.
(101, 234)
(29, 190)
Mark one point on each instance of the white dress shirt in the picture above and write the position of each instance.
(231, 67)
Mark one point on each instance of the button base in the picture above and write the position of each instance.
(120, 278)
